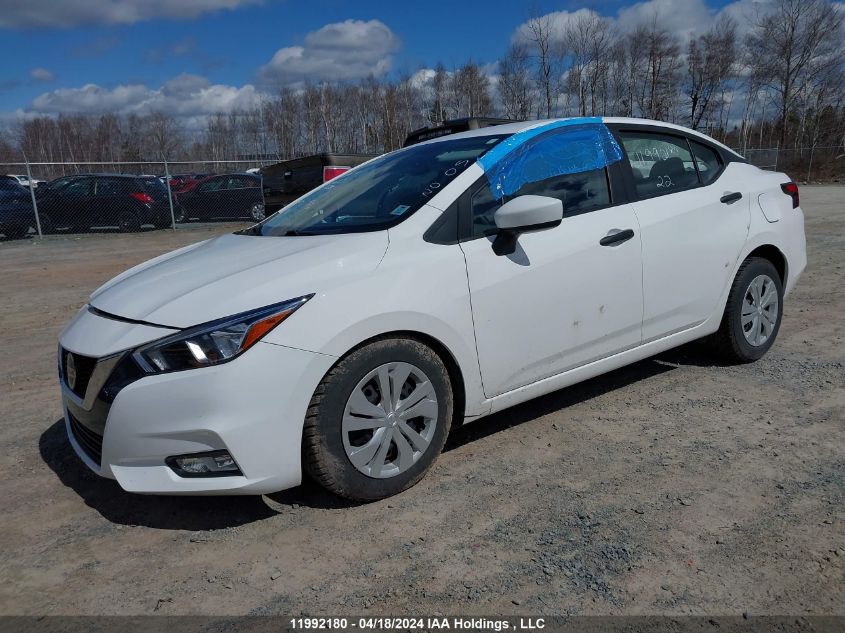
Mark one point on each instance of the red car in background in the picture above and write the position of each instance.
(186, 182)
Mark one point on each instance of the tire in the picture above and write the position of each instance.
(16, 232)
(331, 434)
(129, 222)
(745, 343)
(48, 227)
(256, 212)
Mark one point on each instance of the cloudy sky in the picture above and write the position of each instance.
(190, 57)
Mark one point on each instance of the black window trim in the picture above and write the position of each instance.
(627, 171)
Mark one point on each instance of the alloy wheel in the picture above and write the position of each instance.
(257, 212)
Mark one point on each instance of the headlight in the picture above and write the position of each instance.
(215, 342)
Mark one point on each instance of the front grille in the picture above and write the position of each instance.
(84, 368)
(88, 440)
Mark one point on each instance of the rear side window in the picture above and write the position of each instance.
(211, 185)
(708, 161)
(579, 193)
(661, 163)
(154, 184)
(107, 187)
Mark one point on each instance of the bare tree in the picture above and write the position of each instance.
(438, 88)
(515, 91)
(589, 39)
(789, 43)
(472, 91)
(655, 63)
(548, 52)
(711, 61)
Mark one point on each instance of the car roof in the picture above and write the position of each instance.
(513, 128)
(103, 175)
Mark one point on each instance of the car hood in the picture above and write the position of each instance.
(236, 273)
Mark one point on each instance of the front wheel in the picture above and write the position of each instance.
(378, 420)
(753, 313)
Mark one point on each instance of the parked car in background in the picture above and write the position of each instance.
(452, 126)
(183, 182)
(16, 212)
(286, 181)
(24, 180)
(345, 335)
(79, 203)
(224, 197)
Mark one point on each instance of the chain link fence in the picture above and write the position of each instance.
(59, 198)
(803, 163)
(55, 198)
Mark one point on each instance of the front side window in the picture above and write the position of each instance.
(378, 194)
(77, 188)
(579, 193)
(661, 163)
(708, 162)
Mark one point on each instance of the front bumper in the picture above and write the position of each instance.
(253, 407)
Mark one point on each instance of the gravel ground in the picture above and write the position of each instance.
(673, 486)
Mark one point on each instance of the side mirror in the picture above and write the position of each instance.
(525, 213)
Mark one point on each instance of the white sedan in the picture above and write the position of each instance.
(24, 181)
(345, 335)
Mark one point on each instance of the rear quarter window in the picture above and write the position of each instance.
(707, 160)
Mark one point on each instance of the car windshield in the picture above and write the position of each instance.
(380, 193)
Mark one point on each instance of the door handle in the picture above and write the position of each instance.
(730, 198)
(615, 237)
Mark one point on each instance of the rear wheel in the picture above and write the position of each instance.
(378, 420)
(129, 222)
(753, 313)
(256, 212)
(48, 226)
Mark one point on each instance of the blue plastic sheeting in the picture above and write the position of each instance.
(546, 151)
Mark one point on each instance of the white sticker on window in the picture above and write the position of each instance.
(400, 209)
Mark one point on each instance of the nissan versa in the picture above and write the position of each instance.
(343, 336)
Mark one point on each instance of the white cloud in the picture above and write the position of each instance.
(558, 22)
(352, 49)
(185, 96)
(684, 18)
(41, 74)
(422, 78)
(65, 13)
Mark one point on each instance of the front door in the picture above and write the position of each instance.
(567, 296)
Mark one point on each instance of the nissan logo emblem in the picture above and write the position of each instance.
(70, 371)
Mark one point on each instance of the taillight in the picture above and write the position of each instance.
(140, 196)
(791, 189)
(333, 172)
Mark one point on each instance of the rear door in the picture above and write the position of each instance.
(206, 201)
(109, 198)
(690, 237)
(239, 196)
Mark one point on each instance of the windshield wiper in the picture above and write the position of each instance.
(297, 233)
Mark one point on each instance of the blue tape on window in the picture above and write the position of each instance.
(546, 151)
